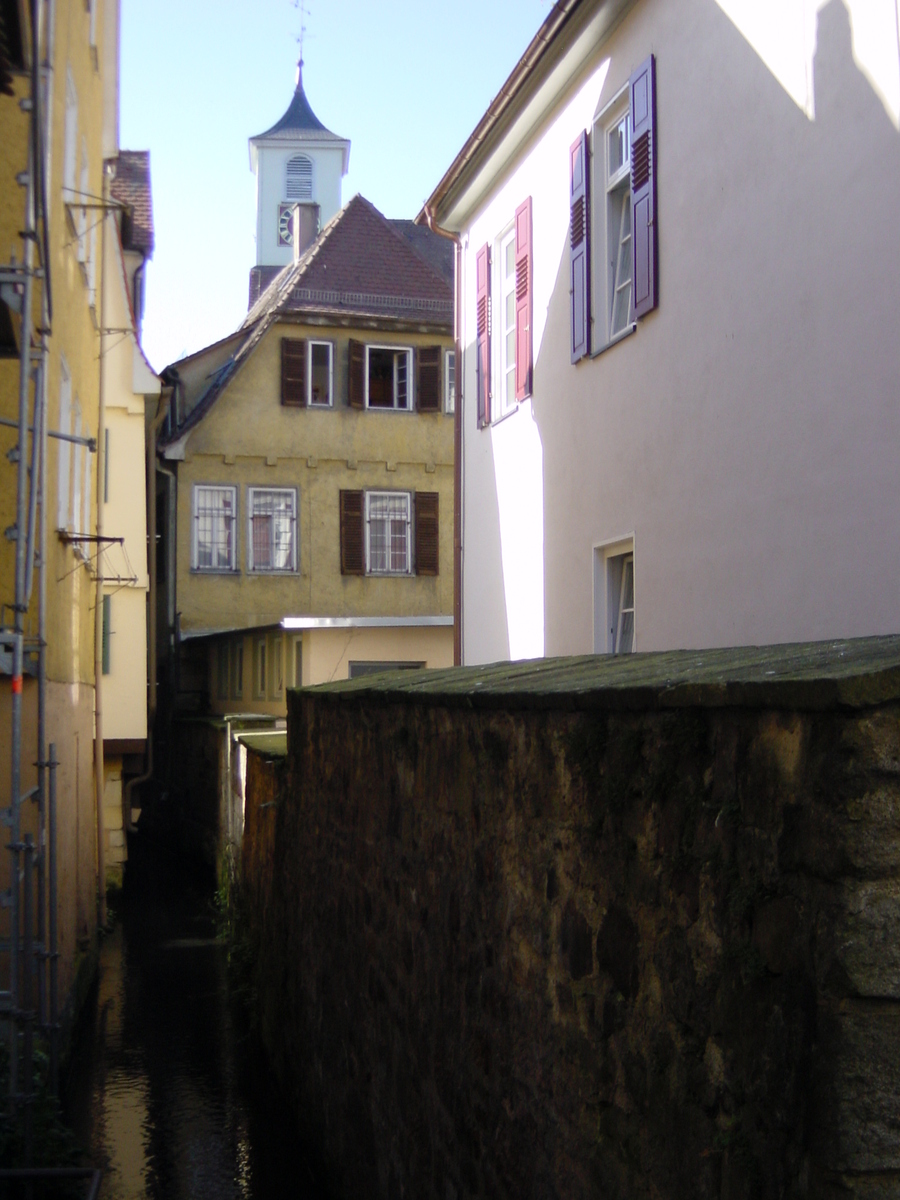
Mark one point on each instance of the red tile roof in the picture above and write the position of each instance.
(131, 187)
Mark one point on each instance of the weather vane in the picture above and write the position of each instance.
(301, 4)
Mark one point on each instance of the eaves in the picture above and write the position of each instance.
(554, 64)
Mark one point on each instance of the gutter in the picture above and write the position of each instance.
(560, 13)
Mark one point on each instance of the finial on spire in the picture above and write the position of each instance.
(301, 4)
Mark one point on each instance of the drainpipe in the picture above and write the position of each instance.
(457, 434)
(99, 764)
(154, 428)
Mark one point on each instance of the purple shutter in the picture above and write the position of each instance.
(580, 247)
(524, 303)
(483, 333)
(645, 275)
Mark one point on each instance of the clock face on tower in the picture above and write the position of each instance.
(285, 225)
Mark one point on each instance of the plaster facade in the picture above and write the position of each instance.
(741, 440)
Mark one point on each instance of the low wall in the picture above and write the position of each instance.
(619, 928)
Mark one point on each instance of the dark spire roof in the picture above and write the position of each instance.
(299, 115)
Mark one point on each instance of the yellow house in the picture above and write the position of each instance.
(307, 474)
(59, 303)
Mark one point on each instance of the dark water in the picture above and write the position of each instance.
(166, 1089)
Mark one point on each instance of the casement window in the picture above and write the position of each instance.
(618, 284)
(222, 654)
(307, 373)
(213, 543)
(272, 532)
(394, 378)
(505, 379)
(389, 533)
(620, 592)
(298, 178)
(449, 381)
(105, 656)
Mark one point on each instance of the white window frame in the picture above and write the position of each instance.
(503, 401)
(407, 499)
(252, 494)
(608, 188)
(410, 399)
(196, 491)
(449, 388)
(609, 560)
(309, 373)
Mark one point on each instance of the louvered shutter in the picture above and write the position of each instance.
(524, 292)
(356, 383)
(483, 333)
(643, 188)
(426, 533)
(580, 247)
(353, 542)
(428, 378)
(293, 371)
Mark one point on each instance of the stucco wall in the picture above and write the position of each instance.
(569, 934)
(250, 439)
(744, 436)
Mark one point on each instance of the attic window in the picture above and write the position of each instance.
(298, 185)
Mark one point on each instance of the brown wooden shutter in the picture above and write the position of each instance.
(644, 247)
(353, 542)
(428, 378)
(293, 371)
(524, 303)
(356, 385)
(483, 334)
(580, 247)
(427, 533)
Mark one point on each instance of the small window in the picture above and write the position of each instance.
(277, 669)
(237, 677)
(614, 598)
(222, 670)
(298, 181)
(298, 662)
(260, 669)
(272, 536)
(321, 373)
(387, 533)
(214, 528)
(389, 377)
(450, 381)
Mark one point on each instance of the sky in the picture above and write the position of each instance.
(198, 78)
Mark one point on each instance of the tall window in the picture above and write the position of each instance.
(273, 529)
(387, 533)
(214, 540)
(320, 373)
(507, 306)
(618, 221)
(298, 184)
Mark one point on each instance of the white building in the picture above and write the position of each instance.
(679, 270)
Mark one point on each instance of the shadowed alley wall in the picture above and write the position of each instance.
(620, 927)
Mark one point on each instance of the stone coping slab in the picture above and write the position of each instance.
(854, 673)
(269, 745)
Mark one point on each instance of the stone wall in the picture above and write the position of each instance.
(591, 929)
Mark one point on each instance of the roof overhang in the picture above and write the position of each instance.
(559, 56)
(297, 624)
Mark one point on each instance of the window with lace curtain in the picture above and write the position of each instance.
(272, 536)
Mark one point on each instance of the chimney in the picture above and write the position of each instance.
(305, 227)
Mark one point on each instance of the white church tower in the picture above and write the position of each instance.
(297, 161)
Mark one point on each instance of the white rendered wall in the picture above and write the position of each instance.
(327, 167)
(747, 434)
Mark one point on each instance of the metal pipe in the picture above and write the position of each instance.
(27, 1015)
(34, 483)
(90, 442)
(42, 694)
(53, 925)
(99, 764)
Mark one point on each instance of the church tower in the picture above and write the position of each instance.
(297, 161)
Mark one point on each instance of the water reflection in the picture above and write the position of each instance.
(167, 1092)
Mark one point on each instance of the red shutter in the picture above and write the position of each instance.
(293, 371)
(356, 384)
(643, 188)
(426, 533)
(524, 304)
(483, 333)
(428, 379)
(353, 542)
(580, 247)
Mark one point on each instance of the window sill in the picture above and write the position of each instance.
(511, 412)
(620, 337)
(265, 572)
(214, 571)
(389, 575)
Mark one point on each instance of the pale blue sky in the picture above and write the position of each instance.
(406, 81)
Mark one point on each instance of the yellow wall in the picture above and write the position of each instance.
(249, 438)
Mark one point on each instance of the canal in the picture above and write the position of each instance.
(166, 1088)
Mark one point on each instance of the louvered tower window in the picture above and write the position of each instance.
(298, 185)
